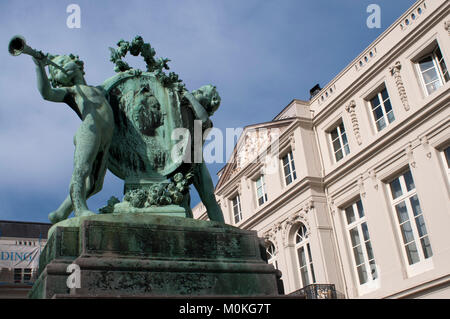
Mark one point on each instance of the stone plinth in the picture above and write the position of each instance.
(150, 256)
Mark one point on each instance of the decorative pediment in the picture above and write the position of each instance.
(255, 139)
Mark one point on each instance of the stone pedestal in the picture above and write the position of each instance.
(142, 255)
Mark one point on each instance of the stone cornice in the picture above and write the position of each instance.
(381, 64)
(292, 192)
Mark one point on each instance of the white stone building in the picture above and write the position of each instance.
(360, 198)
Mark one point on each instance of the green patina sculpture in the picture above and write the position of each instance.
(128, 126)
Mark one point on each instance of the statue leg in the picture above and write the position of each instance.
(87, 143)
(65, 208)
(187, 205)
(205, 188)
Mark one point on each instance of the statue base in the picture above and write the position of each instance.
(143, 255)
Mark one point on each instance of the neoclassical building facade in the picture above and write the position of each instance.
(352, 187)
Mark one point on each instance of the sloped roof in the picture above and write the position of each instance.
(24, 229)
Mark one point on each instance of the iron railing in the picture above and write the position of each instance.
(316, 291)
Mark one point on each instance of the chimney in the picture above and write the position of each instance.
(314, 91)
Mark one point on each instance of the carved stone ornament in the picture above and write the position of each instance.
(299, 217)
(410, 154)
(447, 26)
(360, 182)
(395, 71)
(350, 108)
(271, 235)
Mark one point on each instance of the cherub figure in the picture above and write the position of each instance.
(93, 137)
(204, 102)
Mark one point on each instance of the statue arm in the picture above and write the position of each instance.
(44, 87)
(199, 110)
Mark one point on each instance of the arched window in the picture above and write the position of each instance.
(271, 254)
(305, 262)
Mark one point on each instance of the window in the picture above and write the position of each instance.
(433, 71)
(339, 142)
(382, 109)
(22, 275)
(304, 257)
(237, 212)
(446, 155)
(409, 216)
(261, 190)
(359, 239)
(289, 168)
(271, 254)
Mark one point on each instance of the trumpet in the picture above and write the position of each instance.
(17, 46)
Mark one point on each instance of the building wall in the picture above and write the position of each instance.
(324, 187)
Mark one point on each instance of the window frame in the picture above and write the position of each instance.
(357, 224)
(291, 166)
(305, 245)
(337, 127)
(263, 188)
(238, 206)
(383, 108)
(436, 66)
(424, 262)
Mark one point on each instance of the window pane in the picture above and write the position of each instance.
(354, 235)
(347, 149)
(387, 105)
(301, 256)
(365, 231)
(344, 139)
(338, 155)
(412, 254)
(359, 257)
(426, 63)
(285, 160)
(409, 181)
(360, 208)
(402, 212)
(391, 117)
(396, 189)
(381, 124)
(384, 94)
(369, 250)
(305, 278)
(407, 233)
(375, 102)
(426, 247)
(350, 215)
(433, 86)
(341, 126)
(415, 205)
(421, 228)
(334, 134)
(378, 113)
(362, 274)
(430, 76)
(373, 269)
(288, 179)
(336, 145)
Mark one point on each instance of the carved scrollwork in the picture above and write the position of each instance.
(350, 108)
(395, 71)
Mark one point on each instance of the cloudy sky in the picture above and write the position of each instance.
(260, 54)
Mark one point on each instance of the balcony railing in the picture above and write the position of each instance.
(316, 291)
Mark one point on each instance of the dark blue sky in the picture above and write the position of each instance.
(260, 54)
